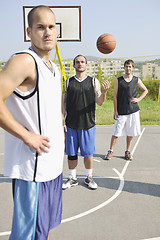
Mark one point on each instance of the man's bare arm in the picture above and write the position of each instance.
(101, 96)
(144, 92)
(19, 72)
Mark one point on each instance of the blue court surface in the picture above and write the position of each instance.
(126, 205)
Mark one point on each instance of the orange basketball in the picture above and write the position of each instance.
(106, 43)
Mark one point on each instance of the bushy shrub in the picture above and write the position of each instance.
(153, 89)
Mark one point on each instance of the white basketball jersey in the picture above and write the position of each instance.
(39, 111)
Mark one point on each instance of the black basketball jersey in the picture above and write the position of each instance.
(127, 91)
(80, 105)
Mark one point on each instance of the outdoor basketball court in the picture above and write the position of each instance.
(126, 206)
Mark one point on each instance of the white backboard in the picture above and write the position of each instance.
(68, 21)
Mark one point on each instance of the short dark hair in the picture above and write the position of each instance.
(33, 10)
(129, 61)
(74, 60)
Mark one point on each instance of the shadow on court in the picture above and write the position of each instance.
(131, 187)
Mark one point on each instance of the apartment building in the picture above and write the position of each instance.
(108, 67)
(151, 71)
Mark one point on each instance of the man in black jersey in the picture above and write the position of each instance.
(80, 95)
(126, 109)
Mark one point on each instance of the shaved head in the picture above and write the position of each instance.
(34, 10)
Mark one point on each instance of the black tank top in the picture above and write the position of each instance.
(126, 91)
(80, 105)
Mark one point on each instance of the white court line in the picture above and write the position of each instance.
(138, 141)
(96, 160)
(5, 178)
(96, 177)
(117, 193)
(5, 233)
(102, 204)
(158, 238)
(93, 209)
(121, 177)
(128, 162)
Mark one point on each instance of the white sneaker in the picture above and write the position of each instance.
(69, 183)
(90, 183)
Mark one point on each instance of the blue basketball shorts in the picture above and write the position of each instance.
(37, 208)
(80, 138)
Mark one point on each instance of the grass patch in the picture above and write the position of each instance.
(149, 112)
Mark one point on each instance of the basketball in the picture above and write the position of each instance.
(106, 43)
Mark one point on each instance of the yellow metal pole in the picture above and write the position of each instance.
(60, 61)
(55, 57)
(62, 71)
(71, 69)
